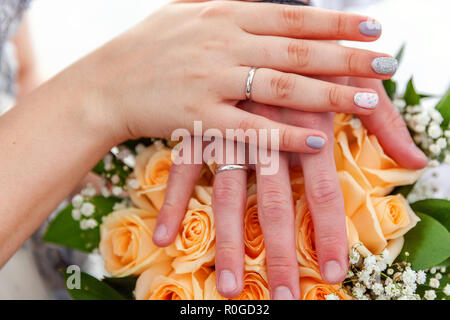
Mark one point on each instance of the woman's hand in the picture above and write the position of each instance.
(190, 61)
(275, 206)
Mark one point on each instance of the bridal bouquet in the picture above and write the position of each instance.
(399, 242)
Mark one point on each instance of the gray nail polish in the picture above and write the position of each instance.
(385, 65)
(370, 28)
(315, 142)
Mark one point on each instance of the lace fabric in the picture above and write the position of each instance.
(11, 12)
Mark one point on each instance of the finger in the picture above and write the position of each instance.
(276, 215)
(229, 199)
(392, 132)
(315, 57)
(266, 133)
(326, 204)
(182, 178)
(305, 22)
(301, 93)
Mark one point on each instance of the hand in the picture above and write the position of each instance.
(190, 61)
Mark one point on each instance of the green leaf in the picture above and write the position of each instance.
(411, 97)
(118, 167)
(439, 209)
(91, 288)
(399, 55)
(391, 88)
(446, 263)
(125, 286)
(443, 107)
(428, 244)
(64, 230)
(439, 291)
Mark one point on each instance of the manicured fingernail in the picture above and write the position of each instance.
(227, 281)
(385, 65)
(370, 28)
(160, 233)
(315, 142)
(282, 293)
(332, 272)
(366, 100)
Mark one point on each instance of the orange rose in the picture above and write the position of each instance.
(255, 252)
(360, 154)
(157, 285)
(255, 286)
(194, 245)
(383, 218)
(313, 288)
(305, 238)
(152, 173)
(126, 242)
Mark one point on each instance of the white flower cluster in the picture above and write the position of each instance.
(370, 278)
(425, 126)
(428, 188)
(83, 209)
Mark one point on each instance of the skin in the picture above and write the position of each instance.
(183, 63)
(275, 205)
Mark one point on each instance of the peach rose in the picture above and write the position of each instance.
(313, 288)
(360, 154)
(383, 218)
(255, 286)
(126, 242)
(255, 252)
(305, 237)
(194, 245)
(159, 285)
(152, 173)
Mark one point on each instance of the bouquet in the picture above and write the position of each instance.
(399, 241)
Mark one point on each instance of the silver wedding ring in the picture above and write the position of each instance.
(229, 167)
(248, 88)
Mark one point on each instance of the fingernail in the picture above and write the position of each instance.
(160, 233)
(370, 28)
(315, 142)
(332, 272)
(282, 293)
(366, 100)
(227, 281)
(385, 65)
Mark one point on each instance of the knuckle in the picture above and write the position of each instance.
(226, 190)
(274, 204)
(298, 53)
(286, 139)
(335, 96)
(329, 241)
(338, 25)
(282, 86)
(325, 191)
(281, 265)
(227, 250)
(248, 123)
(292, 18)
(214, 9)
(352, 63)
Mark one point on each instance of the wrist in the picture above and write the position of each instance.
(89, 104)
